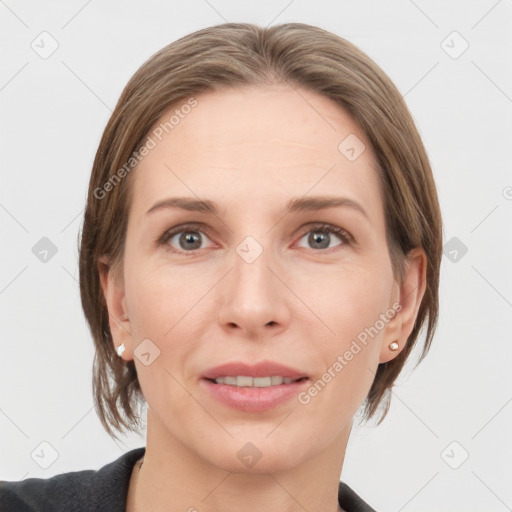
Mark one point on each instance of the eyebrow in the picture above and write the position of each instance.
(298, 204)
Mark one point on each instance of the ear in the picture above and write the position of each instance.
(112, 284)
(407, 298)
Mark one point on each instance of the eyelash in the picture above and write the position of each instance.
(321, 227)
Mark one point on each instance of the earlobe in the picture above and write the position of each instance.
(390, 350)
(410, 292)
(113, 291)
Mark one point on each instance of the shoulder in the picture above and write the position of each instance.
(103, 489)
(350, 501)
(39, 494)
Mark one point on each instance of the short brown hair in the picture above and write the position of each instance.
(235, 55)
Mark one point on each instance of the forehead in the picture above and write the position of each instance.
(256, 144)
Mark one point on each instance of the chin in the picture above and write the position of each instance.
(267, 464)
(259, 456)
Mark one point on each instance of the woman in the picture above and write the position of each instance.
(290, 165)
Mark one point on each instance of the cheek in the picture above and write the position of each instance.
(162, 309)
(352, 305)
(158, 297)
(350, 300)
(166, 307)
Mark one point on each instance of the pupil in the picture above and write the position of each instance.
(316, 237)
(190, 238)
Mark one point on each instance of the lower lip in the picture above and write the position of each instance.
(251, 399)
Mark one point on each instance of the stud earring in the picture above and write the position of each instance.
(394, 346)
(121, 349)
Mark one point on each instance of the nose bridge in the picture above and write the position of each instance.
(252, 297)
(251, 275)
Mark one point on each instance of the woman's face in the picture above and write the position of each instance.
(253, 282)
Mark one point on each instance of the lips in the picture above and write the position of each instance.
(253, 399)
(262, 369)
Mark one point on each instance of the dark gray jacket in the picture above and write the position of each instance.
(104, 490)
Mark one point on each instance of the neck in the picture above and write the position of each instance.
(176, 479)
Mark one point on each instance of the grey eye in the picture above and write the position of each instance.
(320, 239)
(188, 240)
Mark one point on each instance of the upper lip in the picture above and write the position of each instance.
(262, 369)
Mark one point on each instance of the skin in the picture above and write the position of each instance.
(250, 151)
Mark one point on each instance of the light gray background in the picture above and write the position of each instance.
(53, 113)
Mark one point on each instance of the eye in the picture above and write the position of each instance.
(320, 236)
(184, 239)
(188, 238)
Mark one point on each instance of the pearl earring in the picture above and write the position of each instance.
(121, 349)
(394, 346)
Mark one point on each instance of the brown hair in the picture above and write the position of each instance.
(234, 55)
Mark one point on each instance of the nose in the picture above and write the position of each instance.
(254, 296)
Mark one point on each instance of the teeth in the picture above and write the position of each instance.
(276, 380)
(255, 382)
(244, 381)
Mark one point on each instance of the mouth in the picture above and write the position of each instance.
(246, 381)
(252, 388)
(253, 394)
